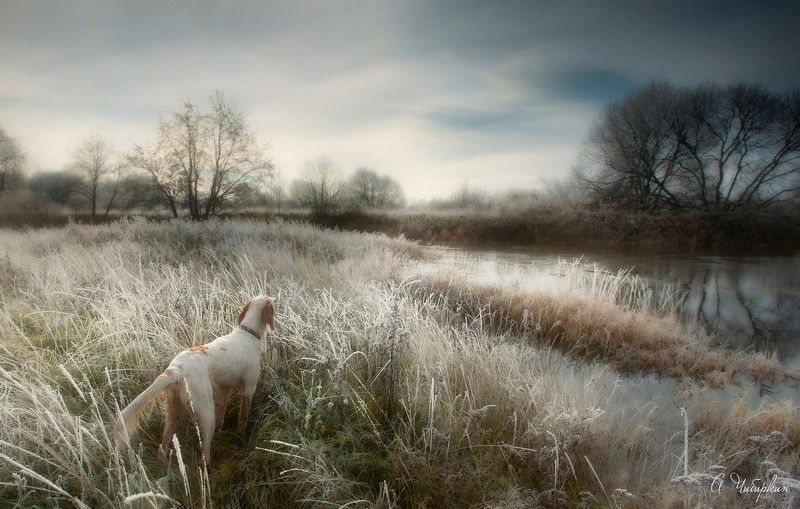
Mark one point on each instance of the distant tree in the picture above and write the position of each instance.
(739, 147)
(369, 190)
(276, 193)
(137, 190)
(466, 197)
(95, 162)
(564, 191)
(319, 186)
(59, 187)
(118, 173)
(215, 154)
(11, 160)
(632, 154)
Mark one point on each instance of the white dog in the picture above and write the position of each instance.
(201, 379)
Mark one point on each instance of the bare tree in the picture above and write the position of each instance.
(214, 153)
(369, 190)
(237, 159)
(94, 162)
(466, 197)
(319, 187)
(706, 148)
(11, 160)
(740, 147)
(182, 136)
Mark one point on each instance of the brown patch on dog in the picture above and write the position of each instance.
(268, 313)
(167, 372)
(198, 349)
(243, 312)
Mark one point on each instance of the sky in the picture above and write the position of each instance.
(499, 94)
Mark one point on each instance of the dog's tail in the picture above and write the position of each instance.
(128, 419)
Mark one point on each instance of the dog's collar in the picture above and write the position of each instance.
(251, 331)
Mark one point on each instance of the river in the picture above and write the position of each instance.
(746, 302)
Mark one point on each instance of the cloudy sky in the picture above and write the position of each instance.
(433, 93)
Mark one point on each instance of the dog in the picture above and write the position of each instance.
(201, 379)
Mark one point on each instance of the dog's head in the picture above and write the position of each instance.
(258, 312)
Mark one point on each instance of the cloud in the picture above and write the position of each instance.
(590, 84)
(476, 120)
(432, 92)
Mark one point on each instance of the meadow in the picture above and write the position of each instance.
(389, 381)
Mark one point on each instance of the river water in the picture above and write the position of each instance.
(749, 303)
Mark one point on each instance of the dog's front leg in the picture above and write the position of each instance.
(221, 395)
(244, 409)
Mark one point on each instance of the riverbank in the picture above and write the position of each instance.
(580, 227)
(773, 233)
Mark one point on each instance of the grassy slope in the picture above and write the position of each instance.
(371, 390)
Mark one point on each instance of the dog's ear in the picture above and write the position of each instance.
(268, 313)
(243, 312)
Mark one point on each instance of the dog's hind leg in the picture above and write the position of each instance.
(173, 412)
(202, 402)
(206, 421)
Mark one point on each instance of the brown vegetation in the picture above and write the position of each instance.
(632, 341)
(547, 226)
(575, 227)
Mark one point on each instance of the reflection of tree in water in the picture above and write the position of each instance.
(742, 305)
(751, 304)
(748, 303)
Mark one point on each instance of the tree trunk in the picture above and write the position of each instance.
(111, 200)
(172, 207)
(94, 201)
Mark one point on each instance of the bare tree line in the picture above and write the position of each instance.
(203, 162)
(707, 148)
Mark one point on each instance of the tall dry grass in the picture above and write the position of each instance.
(372, 394)
(596, 315)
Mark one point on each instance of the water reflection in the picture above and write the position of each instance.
(750, 303)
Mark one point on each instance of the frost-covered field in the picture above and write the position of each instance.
(387, 383)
